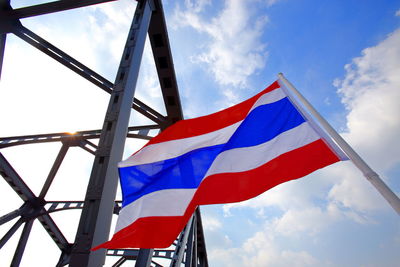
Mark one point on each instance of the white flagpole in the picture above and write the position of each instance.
(371, 176)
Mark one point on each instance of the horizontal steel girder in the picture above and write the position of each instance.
(140, 132)
(67, 205)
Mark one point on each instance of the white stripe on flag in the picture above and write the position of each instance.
(169, 202)
(175, 148)
(248, 158)
(269, 98)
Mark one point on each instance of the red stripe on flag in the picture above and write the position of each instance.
(235, 187)
(160, 232)
(210, 123)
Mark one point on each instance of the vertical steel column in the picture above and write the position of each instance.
(144, 258)
(191, 246)
(3, 37)
(181, 245)
(201, 251)
(94, 225)
(4, 5)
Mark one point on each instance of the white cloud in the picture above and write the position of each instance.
(197, 6)
(286, 240)
(148, 87)
(262, 250)
(235, 50)
(271, 2)
(211, 223)
(397, 13)
(370, 91)
(352, 191)
(296, 221)
(108, 27)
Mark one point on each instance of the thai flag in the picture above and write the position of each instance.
(229, 156)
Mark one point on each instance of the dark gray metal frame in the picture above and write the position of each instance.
(99, 203)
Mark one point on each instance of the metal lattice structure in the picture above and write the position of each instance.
(99, 204)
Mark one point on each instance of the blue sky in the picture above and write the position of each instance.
(344, 56)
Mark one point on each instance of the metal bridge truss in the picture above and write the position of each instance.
(99, 203)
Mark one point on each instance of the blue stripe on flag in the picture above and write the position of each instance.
(186, 171)
(264, 123)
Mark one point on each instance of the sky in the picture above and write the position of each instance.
(343, 56)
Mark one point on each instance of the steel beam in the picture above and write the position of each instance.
(47, 138)
(22, 243)
(120, 261)
(3, 37)
(23, 191)
(150, 113)
(63, 205)
(140, 132)
(181, 245)
(163, 253)
(94, 225)
(131, 254)
(4, 7)
(201, 244)
(15, 181)
(52, 229)
(50, 7)
(66, 205)
(156, 264)
(144, 258)
(64, 259)
(14, 214)
(191, 246)
(165, 66)
(126, 253)
(53, 171)
(88, 146)
(10, 232)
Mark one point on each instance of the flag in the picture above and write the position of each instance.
(228, 156)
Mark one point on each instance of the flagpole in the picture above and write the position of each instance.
(366, 170)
